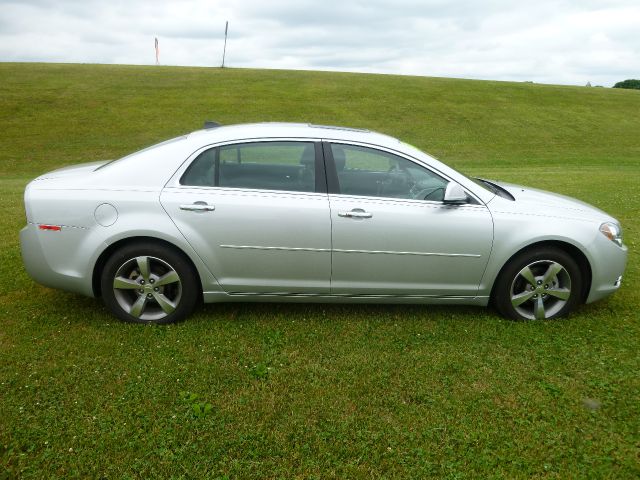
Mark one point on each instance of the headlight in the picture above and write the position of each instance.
(613, 232)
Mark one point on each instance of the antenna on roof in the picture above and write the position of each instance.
(210, 124)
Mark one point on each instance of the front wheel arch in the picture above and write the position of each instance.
(104, 256)
(572, 250)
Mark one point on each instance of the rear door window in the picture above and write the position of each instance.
(288, 166)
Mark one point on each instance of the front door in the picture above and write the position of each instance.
(393, 235)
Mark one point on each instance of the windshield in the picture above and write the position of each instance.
(484, 184)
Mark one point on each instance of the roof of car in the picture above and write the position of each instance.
(292, 130)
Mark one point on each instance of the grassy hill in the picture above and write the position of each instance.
(315, 391)
(56, 114)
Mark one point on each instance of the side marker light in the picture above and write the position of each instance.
(54, 228)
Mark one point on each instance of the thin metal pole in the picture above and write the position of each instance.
(224, 51)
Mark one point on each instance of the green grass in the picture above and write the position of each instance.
(319, 391)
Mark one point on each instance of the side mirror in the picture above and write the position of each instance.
(455, 194)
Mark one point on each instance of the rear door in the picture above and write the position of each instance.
(393, 235)
(257, 213)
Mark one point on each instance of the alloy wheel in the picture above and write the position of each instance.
(147, 288)
(540, 290)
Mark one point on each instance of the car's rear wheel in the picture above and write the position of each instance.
(541, 283)
(149, 284)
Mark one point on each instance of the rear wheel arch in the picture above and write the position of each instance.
(573, 251)
(142, 240)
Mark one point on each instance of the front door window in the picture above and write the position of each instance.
(375, 173)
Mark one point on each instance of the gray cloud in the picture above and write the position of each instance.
(559, 41)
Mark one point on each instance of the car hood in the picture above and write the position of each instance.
(541, 202)
(72, 170)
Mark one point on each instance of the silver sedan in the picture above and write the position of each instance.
(309, 213)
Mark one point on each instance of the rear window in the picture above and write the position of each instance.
(161, 144)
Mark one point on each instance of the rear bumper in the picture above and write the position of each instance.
(58, 247)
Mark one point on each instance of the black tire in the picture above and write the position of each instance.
(536, 299)
(171, 291)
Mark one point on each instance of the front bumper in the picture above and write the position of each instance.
(607, 269)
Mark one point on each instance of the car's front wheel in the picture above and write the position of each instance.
(149, 283)
(540, 283)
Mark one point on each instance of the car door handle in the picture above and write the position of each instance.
(356, 213)
(198, 207)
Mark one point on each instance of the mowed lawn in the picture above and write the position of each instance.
(319, 391)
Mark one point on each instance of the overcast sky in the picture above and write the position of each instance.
(547, 41)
